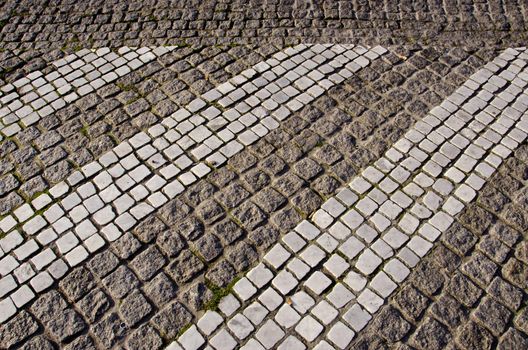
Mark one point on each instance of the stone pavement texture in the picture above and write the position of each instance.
(43, 24)
(263, 175)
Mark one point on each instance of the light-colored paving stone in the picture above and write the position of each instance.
(429, 187)
(119, 189)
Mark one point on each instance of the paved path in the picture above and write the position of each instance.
(42, 24)
(140, 175)
(338, 269)
(292, 175)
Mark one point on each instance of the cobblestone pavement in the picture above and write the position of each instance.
(219, 175)
(42, 24)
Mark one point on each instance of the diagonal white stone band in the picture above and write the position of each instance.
(37, 95)
(110, 195)
(326, 279)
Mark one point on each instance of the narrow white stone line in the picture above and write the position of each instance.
(37, 95)
(374, 233)
(109, 196)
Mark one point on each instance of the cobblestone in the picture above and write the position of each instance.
(226, 218)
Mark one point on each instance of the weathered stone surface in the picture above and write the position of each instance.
(264, 236)
(391, 325)
(241, 256)
(240, 213)
(170, 320)
(38, 343)
(505, 293)
(459, 239)
(170, 243)
(493, 315)
(515, 272)
(431, 335)
(94, 305)
(147, 263)
(249, 215)
(513, 339)
(184, 267)
(411, 302)
(221, 274)
(109, 330)
(77, 283)
(449, 311)
(464, 290)
(427, 278)
(133, 308)
(196, 296)
(21, 327)
(120, 282)
(81, 342)
(150, 228)
(48, 306)
(103, 263)
(161, 289)
(66, 324)
(209, 247)
(146, 337)
(473, 336)
(126, 245)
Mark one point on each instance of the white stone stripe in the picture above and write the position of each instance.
(111, 194)
(187, 129)
(38, 95)
(463, 144)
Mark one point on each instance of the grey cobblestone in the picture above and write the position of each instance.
(240, 259)
(451, 310)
